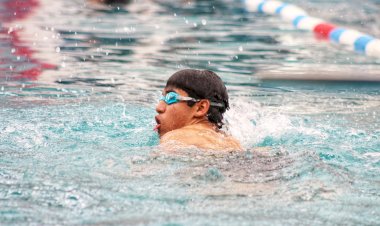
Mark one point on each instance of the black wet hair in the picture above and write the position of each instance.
(203, 84)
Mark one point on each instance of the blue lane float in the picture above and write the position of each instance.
(356, 40)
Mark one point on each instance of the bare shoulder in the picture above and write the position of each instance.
(201, 138)
(180, 135)
(176, 140)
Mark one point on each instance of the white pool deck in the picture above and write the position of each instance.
(322, 75)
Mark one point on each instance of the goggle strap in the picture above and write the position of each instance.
(187, 99)
(214, 104)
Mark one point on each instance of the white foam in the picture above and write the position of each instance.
(373, 155)
(252, 123)
(240, 120)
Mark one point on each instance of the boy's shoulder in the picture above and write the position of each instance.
(201, 138)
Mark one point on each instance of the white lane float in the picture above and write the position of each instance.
(359, 42)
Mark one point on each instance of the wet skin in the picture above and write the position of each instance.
(188, 125)
(175, 116)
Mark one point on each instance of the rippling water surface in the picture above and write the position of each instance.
(78, 87)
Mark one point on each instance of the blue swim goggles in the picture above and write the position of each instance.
(173, 97)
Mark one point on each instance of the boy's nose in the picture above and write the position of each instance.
(161, 106)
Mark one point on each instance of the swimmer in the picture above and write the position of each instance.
(190, 112)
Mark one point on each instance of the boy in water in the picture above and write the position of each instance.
(190, 112)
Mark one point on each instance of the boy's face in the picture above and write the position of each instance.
(173, 116)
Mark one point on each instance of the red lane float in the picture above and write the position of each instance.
(323, 30)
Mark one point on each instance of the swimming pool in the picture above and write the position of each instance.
(77, 145)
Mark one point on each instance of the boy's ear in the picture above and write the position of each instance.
(202, 108)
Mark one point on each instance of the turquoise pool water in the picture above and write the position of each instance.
(77, 146)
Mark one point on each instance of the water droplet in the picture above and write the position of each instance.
(204, 22)
(13, 50)
(57, 49)
(2, 88)
(175, 14)
(241, 48)
(195, 24)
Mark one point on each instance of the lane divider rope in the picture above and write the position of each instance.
(358, 41)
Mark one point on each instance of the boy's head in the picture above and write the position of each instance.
(202, 86)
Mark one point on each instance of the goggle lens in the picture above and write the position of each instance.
(170, 98)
